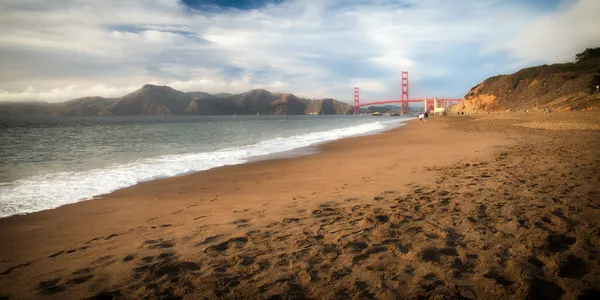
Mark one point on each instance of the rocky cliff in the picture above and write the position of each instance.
(566, 86)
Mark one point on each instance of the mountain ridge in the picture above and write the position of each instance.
(164, 100)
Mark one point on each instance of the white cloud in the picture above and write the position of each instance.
(557, 37)
(370, 86)
(56, 51)
(68, 92)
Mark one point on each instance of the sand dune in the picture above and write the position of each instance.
(457, 207)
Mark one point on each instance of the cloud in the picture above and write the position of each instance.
(558, 36)
(69, 92)
(59, 50)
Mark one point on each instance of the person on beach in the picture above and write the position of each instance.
(426, 116)
(420, 117)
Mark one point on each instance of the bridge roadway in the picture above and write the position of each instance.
(431, 103)
(439, 100)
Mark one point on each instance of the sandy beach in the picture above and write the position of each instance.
(495, 206)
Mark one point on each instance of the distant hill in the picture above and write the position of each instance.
(164, 100)
(207, 104)
(264, 102)
(88, 106)
(152, 100)
(222, 95)
(33, 109)
(566, 86)
(328, 107)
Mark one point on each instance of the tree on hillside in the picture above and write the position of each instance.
(594, 82)
(589, 53)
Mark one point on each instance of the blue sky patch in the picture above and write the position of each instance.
(228, 4)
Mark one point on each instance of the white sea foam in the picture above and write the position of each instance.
(52, 190)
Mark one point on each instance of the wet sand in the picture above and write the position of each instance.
(476, 207)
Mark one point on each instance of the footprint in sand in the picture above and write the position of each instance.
(128, 258)
(573, 267)
(57, 254)
(162, 245)
(111, 236)
(50, 287)
(237, 242)
(559, 243)
(82, 275)
(432, 254)
(496, 276)
(210, 239)
(541, 289)
(7, 271)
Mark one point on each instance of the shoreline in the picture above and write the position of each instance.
(169, 188)
(327, 148)
(315, 148)
(296, 152)
(404, 197)
(283, 155)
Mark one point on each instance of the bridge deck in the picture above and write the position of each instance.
(440, 100)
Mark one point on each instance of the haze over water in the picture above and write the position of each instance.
(46, 163)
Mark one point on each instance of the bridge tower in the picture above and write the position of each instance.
(356, 101)
(404, 98)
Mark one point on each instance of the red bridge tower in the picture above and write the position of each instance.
(404, 99)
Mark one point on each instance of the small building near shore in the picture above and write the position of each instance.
(439, 110)
(434, 107)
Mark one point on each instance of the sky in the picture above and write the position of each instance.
(58, 50)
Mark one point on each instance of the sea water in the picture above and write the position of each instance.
(49, 162)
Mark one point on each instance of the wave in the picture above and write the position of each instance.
(52, 190)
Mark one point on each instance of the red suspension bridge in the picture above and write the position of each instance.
(430, 104)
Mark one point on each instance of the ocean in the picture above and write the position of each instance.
(49, 162)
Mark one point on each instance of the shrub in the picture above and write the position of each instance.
(594, 82)
(589, 53)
